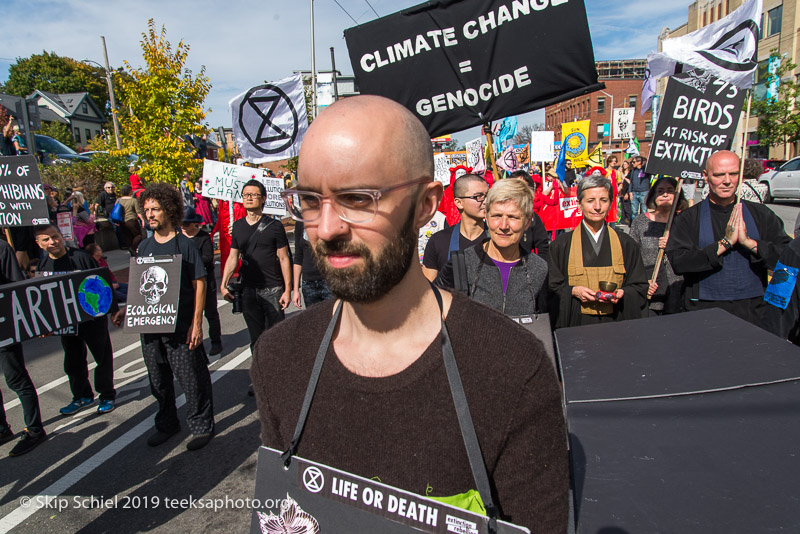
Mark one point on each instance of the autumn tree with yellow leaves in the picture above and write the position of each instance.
(160, 104)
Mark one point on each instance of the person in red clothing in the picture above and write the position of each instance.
(224, 224)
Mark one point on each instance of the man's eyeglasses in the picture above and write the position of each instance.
(479, 198)
(352, 205)
(251, 195)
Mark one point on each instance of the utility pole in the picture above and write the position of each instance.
(313, 68)
(333, 70)
(111, 96)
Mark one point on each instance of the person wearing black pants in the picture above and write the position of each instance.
(17, 378)
(59, 259)
(202, 240)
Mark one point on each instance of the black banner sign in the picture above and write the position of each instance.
(154, 287)
(698, 117)
(48, 304)
(457, 64)
(310, 495)
(22, 199)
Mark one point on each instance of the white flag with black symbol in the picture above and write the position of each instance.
(728, 49)
(270, 120)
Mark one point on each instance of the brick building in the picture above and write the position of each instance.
(623, 79)
(780, 20)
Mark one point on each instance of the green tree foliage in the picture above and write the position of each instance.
(89, 176)
(56, 74)
(778, 119)
(58, 131)
(159, 105)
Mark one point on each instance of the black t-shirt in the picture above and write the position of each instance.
(438, 246)
(303, 255)
(192, 268)
(263, 268)
(9, 268)
(73, 260)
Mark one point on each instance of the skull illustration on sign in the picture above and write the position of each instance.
(153, 284)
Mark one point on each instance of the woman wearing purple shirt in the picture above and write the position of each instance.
(498, 272)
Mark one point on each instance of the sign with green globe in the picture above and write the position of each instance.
(95, 295)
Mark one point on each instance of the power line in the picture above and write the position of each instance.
(348, 14)
(372, 8)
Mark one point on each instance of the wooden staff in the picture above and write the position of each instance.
(8, 237)
(744, 147)
(660, 257)
(487, 129)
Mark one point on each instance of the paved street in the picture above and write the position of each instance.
(106, 457)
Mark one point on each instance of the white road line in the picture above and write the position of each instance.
(63, 380)
(36, 503)
(55, 383)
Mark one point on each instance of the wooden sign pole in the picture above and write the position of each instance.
(487, 129)
(744, 147)
(660, 257)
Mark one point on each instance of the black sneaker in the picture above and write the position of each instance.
(6, 434)
(28, 442)
(199, 441)
(216, 349)
(160, 437)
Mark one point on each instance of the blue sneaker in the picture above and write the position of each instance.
(105, 406)
(76, 405)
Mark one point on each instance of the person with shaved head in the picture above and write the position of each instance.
(724, 249)
(382, 406)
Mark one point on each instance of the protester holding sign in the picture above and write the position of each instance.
(723, 248)
(648, 232)
(596, 272)
(58, 259)
(17, 378)
(180, 354)
(383, 392)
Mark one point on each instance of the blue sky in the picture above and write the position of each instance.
(242, 43)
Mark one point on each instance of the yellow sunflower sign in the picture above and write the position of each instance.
(575, 135)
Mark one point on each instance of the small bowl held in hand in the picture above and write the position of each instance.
(608, 287)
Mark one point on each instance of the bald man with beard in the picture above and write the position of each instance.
(724, 249)
(383, 407)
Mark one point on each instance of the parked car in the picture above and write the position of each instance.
(51, 151)
(783, 182)
(770, 164)
(132, 158)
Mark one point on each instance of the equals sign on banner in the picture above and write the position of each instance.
(465, 66)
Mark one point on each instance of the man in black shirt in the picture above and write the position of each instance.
(313, 285)
(19, 381)
(267, 270)
(180, 354)
(202, 240)
(469, 191)
(59, 259)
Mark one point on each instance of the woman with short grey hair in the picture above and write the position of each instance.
(498, 271)
(596, 271)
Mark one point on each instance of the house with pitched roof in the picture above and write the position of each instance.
(76, 110)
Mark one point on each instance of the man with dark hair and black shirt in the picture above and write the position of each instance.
(202, 240)
(382, 406)
(179, 354)
(469, 192)
(17, 378)
(262, 244)
(313, 285)
(59, 259)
